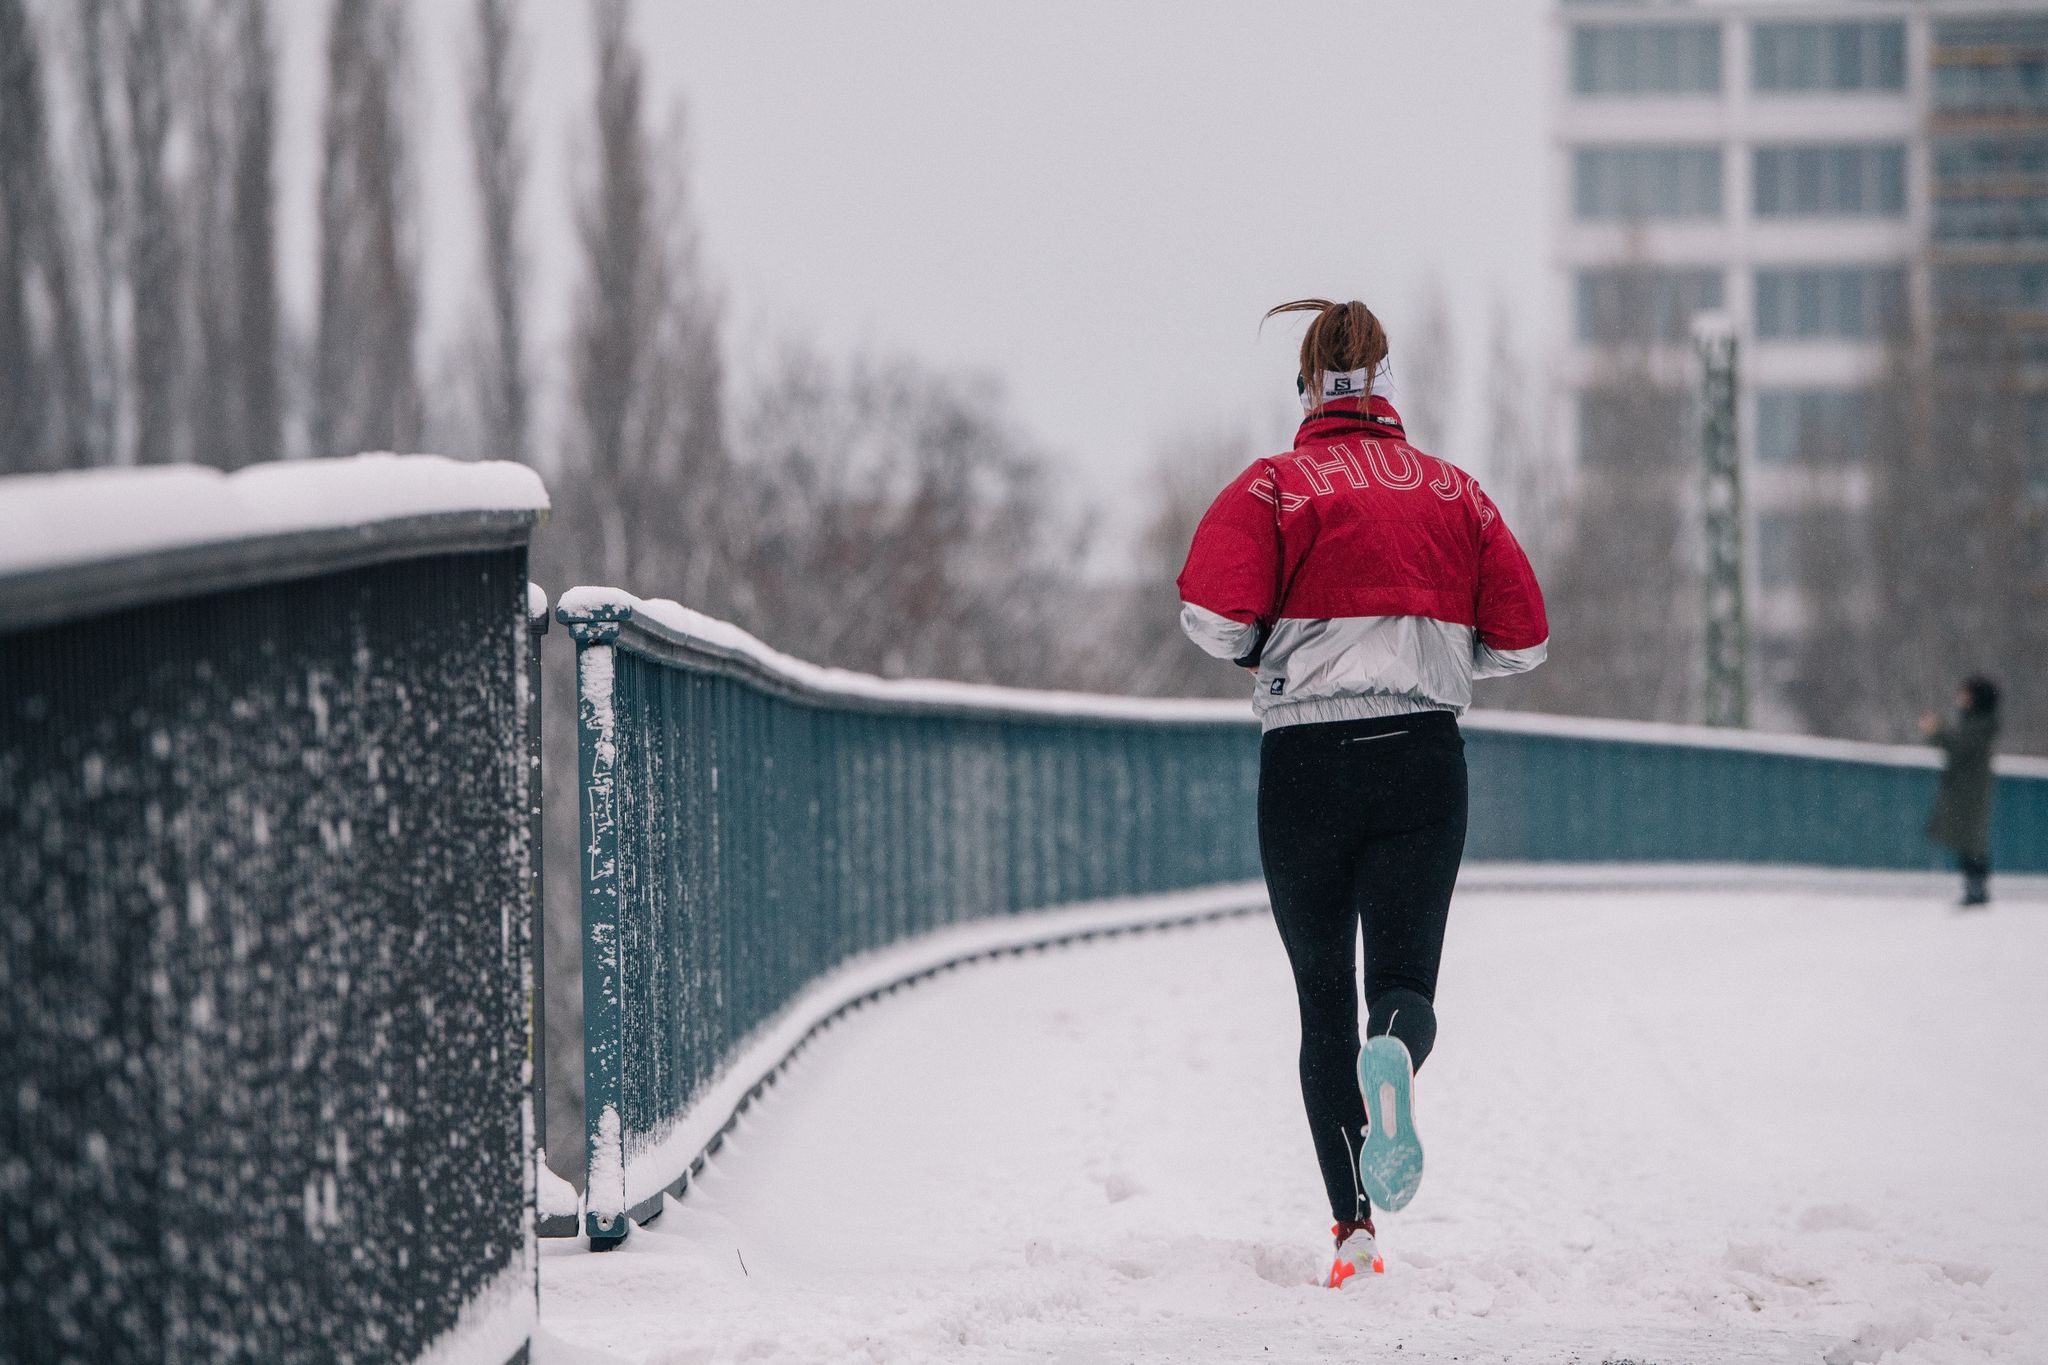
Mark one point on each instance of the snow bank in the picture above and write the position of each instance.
(51, 521)
(678, 624)
(653, 1164)
(1679, 1126)
(493, 1326)
(554, 1196)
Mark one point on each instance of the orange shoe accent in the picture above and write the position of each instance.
(1345, 1266)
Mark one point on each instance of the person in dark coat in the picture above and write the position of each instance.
(1961, 819)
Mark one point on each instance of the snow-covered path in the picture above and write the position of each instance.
(1663, 1127)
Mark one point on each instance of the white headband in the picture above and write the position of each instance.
(1338, 384)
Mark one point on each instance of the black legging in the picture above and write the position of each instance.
(1360, 822)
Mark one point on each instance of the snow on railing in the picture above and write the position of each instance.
(759, 830)
(88, 541)
(714, 643)
(709, 643)
(263, 884)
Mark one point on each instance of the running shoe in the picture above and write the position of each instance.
(1358, 1252)
(1390, 1158)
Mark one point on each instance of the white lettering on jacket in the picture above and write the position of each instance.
(1398, 466)
(1341, 461)
(1263, 490)
(1410, 474)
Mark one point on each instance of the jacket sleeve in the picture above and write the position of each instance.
(1514, 630)
(1967, 741)
(1226, 586)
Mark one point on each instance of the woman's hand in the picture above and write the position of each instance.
(1929, 722)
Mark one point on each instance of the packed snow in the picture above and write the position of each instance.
(1795, 1120)
(657, 1164)
(54, 520)
(492, 1325)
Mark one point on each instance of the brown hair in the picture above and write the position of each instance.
(1342, 336)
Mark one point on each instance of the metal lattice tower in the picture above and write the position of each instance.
(1725, 697)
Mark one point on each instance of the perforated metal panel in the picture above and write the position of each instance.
(263, 891)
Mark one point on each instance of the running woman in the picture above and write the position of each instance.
(1366, 585)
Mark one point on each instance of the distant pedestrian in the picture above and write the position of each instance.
(1366, 584)
(1961, 819)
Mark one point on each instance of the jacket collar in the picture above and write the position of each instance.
(1349, 417)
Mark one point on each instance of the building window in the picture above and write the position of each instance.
(1812, 426)
(1973, 287)
(1857, 302)
(1631, 426)
(1991, 66)
(2012, 32)
(1865, 180)
(1989, 158)
(1863, 55)
(2004, 88)
(1992, 218)
(1646, 59)
(1643, 303)
(1647, 182)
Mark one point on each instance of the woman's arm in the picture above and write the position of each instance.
(1514, 629)
(1227, 584)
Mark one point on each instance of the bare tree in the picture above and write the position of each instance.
(898, 524)
(1520, 463)
(1946, 570)
(1150, 656)
(366, 393)
(1622, 582)
(236, 404)
(1526, 475)
(45, 394)
(252, 229)
(1426, 368)
(645, 446)
(106, 215)
(616, 315)
(151, 69)
(500, 159)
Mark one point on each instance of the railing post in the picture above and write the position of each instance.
(596, 633)
(1725, 698)
(547, 1224)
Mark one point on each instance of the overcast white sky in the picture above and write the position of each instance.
(1092, 199)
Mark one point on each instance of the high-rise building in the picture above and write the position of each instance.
(1821, 171)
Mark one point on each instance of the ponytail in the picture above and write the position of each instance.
(1341, 337)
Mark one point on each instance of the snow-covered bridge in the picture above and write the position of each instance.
(1757, 1119)
(266, 843)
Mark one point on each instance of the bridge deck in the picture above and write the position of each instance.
(1678, 1125)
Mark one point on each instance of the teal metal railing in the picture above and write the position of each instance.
(751, 824)
(1551, 789)
(264, 902)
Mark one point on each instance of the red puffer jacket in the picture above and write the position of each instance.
(1360, 576)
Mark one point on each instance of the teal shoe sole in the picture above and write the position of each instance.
(1390, 1158)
